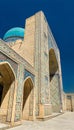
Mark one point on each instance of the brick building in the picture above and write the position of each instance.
(30, 72)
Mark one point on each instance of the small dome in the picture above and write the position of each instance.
(14, 34)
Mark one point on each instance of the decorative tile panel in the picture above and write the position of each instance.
(55, 94)
(27, 73)
(14, 65)
(19, 92)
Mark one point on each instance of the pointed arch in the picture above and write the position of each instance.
(27, 95)
(53, 64)
(7, 78)
(7, 71)
(54, 81)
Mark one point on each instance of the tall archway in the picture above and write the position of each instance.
(27, 98)
(7, 78)
(54, 81)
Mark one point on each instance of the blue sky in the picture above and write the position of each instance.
(60, 16)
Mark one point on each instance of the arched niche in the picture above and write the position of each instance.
(27, 98)
(7, 79)
(54, 81)
(53, 65)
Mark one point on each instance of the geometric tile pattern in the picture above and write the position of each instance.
(54, 93)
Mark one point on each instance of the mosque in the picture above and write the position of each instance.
(30, 72)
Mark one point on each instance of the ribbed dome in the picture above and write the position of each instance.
(13, 33)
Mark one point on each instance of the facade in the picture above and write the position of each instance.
(30, 72)
(68, 102)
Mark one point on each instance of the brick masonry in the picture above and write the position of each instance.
(30, 62)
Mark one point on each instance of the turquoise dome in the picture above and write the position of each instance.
(14, 32)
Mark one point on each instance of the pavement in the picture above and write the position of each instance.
(3, 126)
(62, 122)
